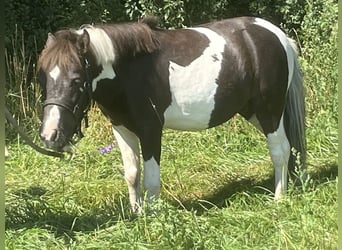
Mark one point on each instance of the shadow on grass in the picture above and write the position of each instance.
(28, 210)
(264, 186)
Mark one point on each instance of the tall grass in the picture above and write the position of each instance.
(23, 95)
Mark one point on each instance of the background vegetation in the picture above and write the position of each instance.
(216, 191)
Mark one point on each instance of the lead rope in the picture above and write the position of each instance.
(155, 111)
(28, 141)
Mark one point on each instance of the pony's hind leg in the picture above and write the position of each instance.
(129, 146)
(279, 148)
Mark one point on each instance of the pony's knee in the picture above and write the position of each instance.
(279, 151)
(132, 176)
(279, 146)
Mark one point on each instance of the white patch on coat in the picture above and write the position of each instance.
(100, 44)
(152, 179)
(103, 49)
(279, 148)
(51, 123)
(54, 73)
(106, 73)
(287, 43)
(193, 87)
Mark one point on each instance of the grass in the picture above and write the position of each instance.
(216, 194)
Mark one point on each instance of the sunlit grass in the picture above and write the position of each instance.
(216, 194)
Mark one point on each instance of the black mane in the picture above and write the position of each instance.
(131, 39)
(151, 21)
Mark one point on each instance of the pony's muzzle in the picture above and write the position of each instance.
(49, 137)
(57, 127)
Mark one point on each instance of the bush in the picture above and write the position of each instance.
(319, 56)
(36, 18)
(319, 63)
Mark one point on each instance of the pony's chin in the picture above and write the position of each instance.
(67, 149)
(59, 148)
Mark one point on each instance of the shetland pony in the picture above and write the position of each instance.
(144, 79)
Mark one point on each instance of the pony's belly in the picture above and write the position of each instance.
(191, 116)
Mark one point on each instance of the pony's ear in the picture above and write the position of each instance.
(83, 42)
(50, 40)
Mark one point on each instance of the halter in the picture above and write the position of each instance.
(76, 110)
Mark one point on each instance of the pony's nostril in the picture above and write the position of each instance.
(52, 136)
(42, 136)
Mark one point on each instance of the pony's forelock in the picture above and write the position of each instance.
(62, 52)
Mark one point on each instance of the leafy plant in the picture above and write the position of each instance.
(171, 13)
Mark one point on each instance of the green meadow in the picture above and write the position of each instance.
(216, 194)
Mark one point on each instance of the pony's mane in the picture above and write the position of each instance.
(151, 21)
(107, 42)
(131, 39)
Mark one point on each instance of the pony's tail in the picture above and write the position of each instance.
(294, 120)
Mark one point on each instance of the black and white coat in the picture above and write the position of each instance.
(145, 79)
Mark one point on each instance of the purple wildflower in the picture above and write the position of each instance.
(106, 149)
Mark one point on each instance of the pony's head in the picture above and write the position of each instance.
(72, 64)
(63, 75)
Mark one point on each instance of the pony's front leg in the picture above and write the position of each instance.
(152, 179)
(129, 146)
(151, 146)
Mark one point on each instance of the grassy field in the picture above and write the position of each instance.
(216, 184)
(216, 194)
